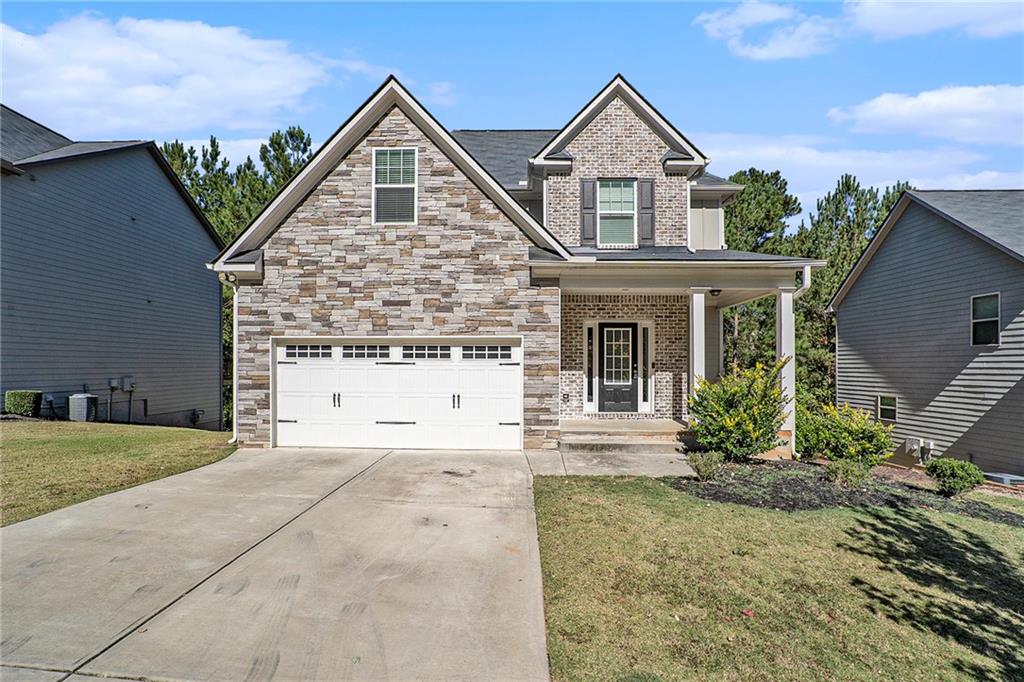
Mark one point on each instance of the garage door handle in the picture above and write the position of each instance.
(394, 362)
(396, 422)
(508, 423)
(453, 401)
(458, 400)
(509, 364)
(287, 421)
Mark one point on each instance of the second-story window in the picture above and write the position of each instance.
(394, 185)
(616, 213)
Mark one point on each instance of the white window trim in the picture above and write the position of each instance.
(896, 409)
(997, 319)
(415, 184)
(635, 202)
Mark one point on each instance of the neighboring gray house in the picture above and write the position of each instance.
(102, 279)
(931, 326)
(415, 287)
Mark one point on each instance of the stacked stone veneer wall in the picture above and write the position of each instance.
(461, 270)
(618, 144)
(670, 318)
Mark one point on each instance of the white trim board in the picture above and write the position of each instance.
(391, 94)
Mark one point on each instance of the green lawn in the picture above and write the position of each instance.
(48, 465)
(643, 582)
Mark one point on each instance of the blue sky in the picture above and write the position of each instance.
(889, 91)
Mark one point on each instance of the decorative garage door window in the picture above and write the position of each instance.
(426, 352)
(306, 351)
(487, 352)
(363, 351)
(618, 355)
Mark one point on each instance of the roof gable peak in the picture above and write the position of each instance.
(682, 152)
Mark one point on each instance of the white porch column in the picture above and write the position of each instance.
(695, 369)
(785, 347)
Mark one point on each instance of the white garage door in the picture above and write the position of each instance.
(399, 394)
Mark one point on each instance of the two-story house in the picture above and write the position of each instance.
(414, 287)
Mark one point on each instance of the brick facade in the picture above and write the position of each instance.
(670, 317)
(461, 270)
(617, 144)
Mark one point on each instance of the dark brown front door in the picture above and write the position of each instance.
(617, 367)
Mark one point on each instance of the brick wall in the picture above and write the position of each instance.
(669, 315)
(617, 143)
(461, 270)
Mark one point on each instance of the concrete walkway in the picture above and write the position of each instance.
(569, 463)
(285, 564)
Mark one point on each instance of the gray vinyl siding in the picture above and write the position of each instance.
(102, 270)
(904, 330)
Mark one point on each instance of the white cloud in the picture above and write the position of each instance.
(987, 114)
(768, 31)
(90, 76)
(812, 165)
(442, 94)
(798, 36)
(887, 20)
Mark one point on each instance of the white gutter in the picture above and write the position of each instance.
(805, 283)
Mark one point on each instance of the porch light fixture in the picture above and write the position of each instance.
(715, 292)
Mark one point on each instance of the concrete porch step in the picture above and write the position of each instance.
(653, 444)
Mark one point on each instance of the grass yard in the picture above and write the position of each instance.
(646, 582)
(47, 465)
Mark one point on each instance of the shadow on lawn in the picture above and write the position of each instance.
(983, 608)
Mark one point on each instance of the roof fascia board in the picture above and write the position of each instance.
(579, 262)
(390, 94)
(619, 86)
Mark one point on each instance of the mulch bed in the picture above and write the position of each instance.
(795, 486)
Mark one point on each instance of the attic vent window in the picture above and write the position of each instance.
(394, 186)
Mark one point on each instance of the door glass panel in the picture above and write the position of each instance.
(644, 362)
(590, 364)
(618, 355)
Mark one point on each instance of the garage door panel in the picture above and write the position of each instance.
(373, 393)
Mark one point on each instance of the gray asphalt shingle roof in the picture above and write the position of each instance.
(21, 137)
(79, 149)
(996, 214)
(504, 153)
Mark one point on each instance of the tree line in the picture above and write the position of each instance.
(838, 230)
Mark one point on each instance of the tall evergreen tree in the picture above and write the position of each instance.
(755, 221)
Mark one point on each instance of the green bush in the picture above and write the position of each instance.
(741, 414)
(24, 403)
(842, 433)
(706, 465)
(954, 476)
(848, 473)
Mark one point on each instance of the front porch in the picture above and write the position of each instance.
(634, 344)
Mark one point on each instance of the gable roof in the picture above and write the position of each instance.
(505, 153)
(32, 144)
(389, 95)
(994, 216)
(21, 137)
(681, 150)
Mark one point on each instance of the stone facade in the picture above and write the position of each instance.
(462, 269)
(617, 144)
(670, 317)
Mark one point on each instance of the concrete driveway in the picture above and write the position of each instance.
(285, 564)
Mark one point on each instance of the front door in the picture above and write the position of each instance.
(617, 367)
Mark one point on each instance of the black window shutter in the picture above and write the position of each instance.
(645, 211)
(588, 212)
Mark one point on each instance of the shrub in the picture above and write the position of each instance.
(706, 464)
(24, 403)
(954, 476)
(842, 433)
(741, 414)
(848, 473)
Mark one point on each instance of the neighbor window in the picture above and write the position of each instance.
(985, 320)
(887, 408)
(394, 185)
(616, 213)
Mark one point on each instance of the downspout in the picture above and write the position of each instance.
(805, 284)
(231, 281)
